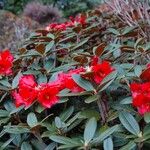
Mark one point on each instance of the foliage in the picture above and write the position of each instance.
(68, 7)
(95, 106)
(46, 13)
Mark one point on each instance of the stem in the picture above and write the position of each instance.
(101, 109)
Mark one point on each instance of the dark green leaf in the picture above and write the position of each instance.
(83, 83)
(90, 129)
(26, 146)
(129, 123)
(108, 144)
(32, 120)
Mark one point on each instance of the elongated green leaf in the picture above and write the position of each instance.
(147, 117)
(91, 99)
(26, 146)
(15, 81)
(62, 140)
(128, 146)
(66, 114)
(114, 31)
(4, 113)
(49, 46)
(107, 81)
(80, 44)
(127, 100)
(32, 120)
(58, 122)
(7, 143)
(16, 129)
(138, 70)
(83, 83)
(105, 134)
(129, 123)
(108, 144)
(90, 129)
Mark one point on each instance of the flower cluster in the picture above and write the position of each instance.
(6, 62)
(71, 23)
(141, 96)
(141, 92)
(47, 93)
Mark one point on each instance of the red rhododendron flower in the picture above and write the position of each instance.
(47, 95)
(6, 62)
(94, 61)
(27, 91)
(146, 74)
(71, 23)
(68, 82)
(141, 96)
(100, 71)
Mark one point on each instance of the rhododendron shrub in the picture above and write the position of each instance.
(81, 84)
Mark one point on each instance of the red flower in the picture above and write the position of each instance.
(68, 82)
(6, 62)
(100, 71)
(27, 81)
(71, 23)
(146, 74)
(48, 94)
(141, 96)
(94, 61)
(27, 91)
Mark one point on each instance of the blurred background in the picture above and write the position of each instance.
(18, 18)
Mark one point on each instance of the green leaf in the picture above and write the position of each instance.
(127, 100)
(66, 114)
(89, 113)
(129, 123)
(114, 31)
(5, 82)
(16, 129)
(49, 46)
(51, 146)
(105, 134)
(42, 79)
(4, 113)
(16, 110)
(58, 122)
(108, 144)
(80, 44)
(15, 81)
(51, 35)
(107, 81)
(39, 108)
(26, 146)
(62, 140)
(83, 83)
(7, 143)
(129, 146)
(147, 117)
(32, 120)
(90, 129)
(91, 99)
(138, 70)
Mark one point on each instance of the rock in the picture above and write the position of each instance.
(14, 29)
